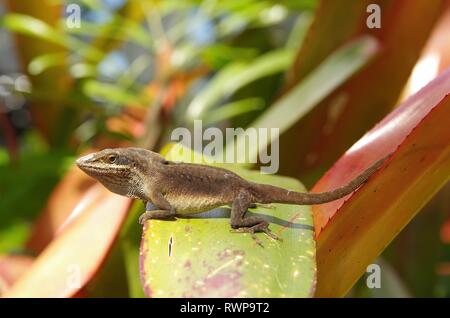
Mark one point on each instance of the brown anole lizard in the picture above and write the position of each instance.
(185, 188)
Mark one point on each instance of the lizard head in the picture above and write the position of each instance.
(121, 170)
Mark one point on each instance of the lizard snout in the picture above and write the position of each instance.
(80, 162)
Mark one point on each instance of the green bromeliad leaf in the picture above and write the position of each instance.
(200, 257)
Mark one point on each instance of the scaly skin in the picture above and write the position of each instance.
(184, 188)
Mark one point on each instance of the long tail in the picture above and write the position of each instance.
(271, 194)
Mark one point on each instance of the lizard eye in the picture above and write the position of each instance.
(112, 158)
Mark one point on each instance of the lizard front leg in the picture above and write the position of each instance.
(164, 209)
(249, 224)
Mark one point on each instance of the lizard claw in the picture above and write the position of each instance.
(261, 227)
(257, 240)
(251, 232)
(264, 227)
(143, 217)
(270, 234)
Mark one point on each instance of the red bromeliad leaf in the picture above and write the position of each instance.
(78, 250)
(351, 232)
(61, 203)
(11, 268)
(68, 194)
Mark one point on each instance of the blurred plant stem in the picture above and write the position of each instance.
(131, 11)
(47, 116)
(9, 134)
(152, 122)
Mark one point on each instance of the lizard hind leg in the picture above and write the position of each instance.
(250, 224)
